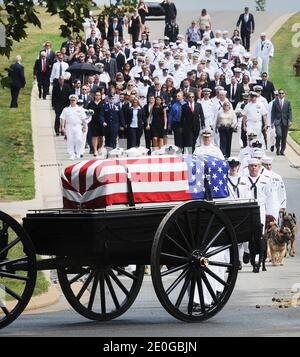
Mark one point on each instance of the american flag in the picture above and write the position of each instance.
(218, 173)
(100, 183)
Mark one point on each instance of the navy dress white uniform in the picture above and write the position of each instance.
(112, 119)
(207, 147)
(260, 187)
(278, 187)
(73, 122)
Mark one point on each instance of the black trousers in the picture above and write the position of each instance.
(43, 86)
(58, 111)
(246, 39)
(189, 137)
(177, 129)
(281, 137)
(225, 140)
(134, 137)
(15, 91)
(147, 134)
(244, 137)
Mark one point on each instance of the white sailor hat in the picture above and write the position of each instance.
(203, 61)
(181, 46)
(190, 50)
(144, 151)
(245, 95)
(218, 31)
(73, 97)
(116, 153)
(167, 38)
(133, 152)
(206, 90)
(247, 55)
(138, 44)
(171, 149)
(161, 61)
(156, 45)
(258, 87)
(253, 94)
(180, 36)
(254, 161)
(263, 34)
(225, 32)
(257, 153)
(223, 92)
(237, 70)
(267, 160)
(235, 54)
(224, 61)
(177, 63)
(219, 88)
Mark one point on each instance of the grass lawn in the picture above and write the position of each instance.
(282, 72)
(16, 149)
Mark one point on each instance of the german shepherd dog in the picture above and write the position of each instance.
(278, 240)
(290, 221)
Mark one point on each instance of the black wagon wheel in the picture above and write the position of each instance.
(17, 269)
(101, 294)
(194, 261)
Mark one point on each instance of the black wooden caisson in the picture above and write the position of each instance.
(192, 249)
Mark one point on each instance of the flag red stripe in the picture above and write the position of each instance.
(82, 177)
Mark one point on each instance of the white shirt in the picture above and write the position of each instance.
(134, 123)
(264, 49)
(238, 187)
(254, 113)
(208, 111)
(56, 70)
(211, 150)
(73, 117)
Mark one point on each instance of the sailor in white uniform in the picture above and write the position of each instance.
(278, 186)
(72, 124)
(264, 51)
(255, 116)
(245, 153)
(207, 147)
(238, 189)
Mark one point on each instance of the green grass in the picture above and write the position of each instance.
(18, 286)
(16, 149)
(282, 72)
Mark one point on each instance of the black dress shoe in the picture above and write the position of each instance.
(57, 133)
(272, 148)
(240, 265)
(277, 152)
(246, 258)
(282, 154)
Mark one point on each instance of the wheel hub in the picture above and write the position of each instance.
(204, 262)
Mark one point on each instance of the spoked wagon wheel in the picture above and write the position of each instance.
(101, 294)
(17, 269)
(194, 261)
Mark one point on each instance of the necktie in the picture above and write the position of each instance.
(253, 186)
(265, 83)
(235, 187)
(44, 66)
(60, 69)
(281, 103)
(262, 45)
(233, 93)
(192, 107)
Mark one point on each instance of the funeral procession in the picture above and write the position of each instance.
(150, 170)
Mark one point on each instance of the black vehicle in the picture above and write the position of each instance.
(156, 12)
(184, 243)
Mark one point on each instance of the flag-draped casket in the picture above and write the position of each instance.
(100, 183)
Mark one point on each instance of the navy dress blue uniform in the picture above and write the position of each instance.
(112, 116)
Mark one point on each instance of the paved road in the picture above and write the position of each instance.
(147, 318)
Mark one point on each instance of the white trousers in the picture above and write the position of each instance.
(74, 141)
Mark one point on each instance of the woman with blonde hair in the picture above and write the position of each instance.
(226, 123)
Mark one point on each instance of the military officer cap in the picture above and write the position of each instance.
(252, 135)
(256, 144)
(161, 61)
(177, 63)
(254, 94)
(247, 55)
(116, 153)
(233, 162)
(206, 90)
(73, 97)
(206, 132)
(156, 45)
(263, 34)
(245, 95)
(258, 88)
(219, 88)
(225, 32)
(254, 161)
(80, 101)
(166, 38)
(267, 160)
(237, 38)
(203, 61)
(276, 92)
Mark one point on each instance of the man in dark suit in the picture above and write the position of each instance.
(110, 66)
(233, 91)
(187, 89)
(216, 83)
(114, 26)
(156, 91)
(50, 54)
(60, 100)
(92, 40)
(85, 96)
(112, 119)
(170, 10)
(17, 81)
(281, 119)
(119, 56)
(134, 60)
(268, 87)
(192, 120)
(246, 20)
(144, 42)
(41, 73)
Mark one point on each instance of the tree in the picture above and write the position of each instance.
(260, 5)
(15, 16)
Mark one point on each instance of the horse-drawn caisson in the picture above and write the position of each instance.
(120, 214)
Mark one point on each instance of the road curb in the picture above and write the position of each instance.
(292, 143)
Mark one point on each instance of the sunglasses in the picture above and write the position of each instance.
(281, 93)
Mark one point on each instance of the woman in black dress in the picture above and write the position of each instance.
(95, 125)
(102, 26)
(135, 27)
(143, 11)
(159, 123)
